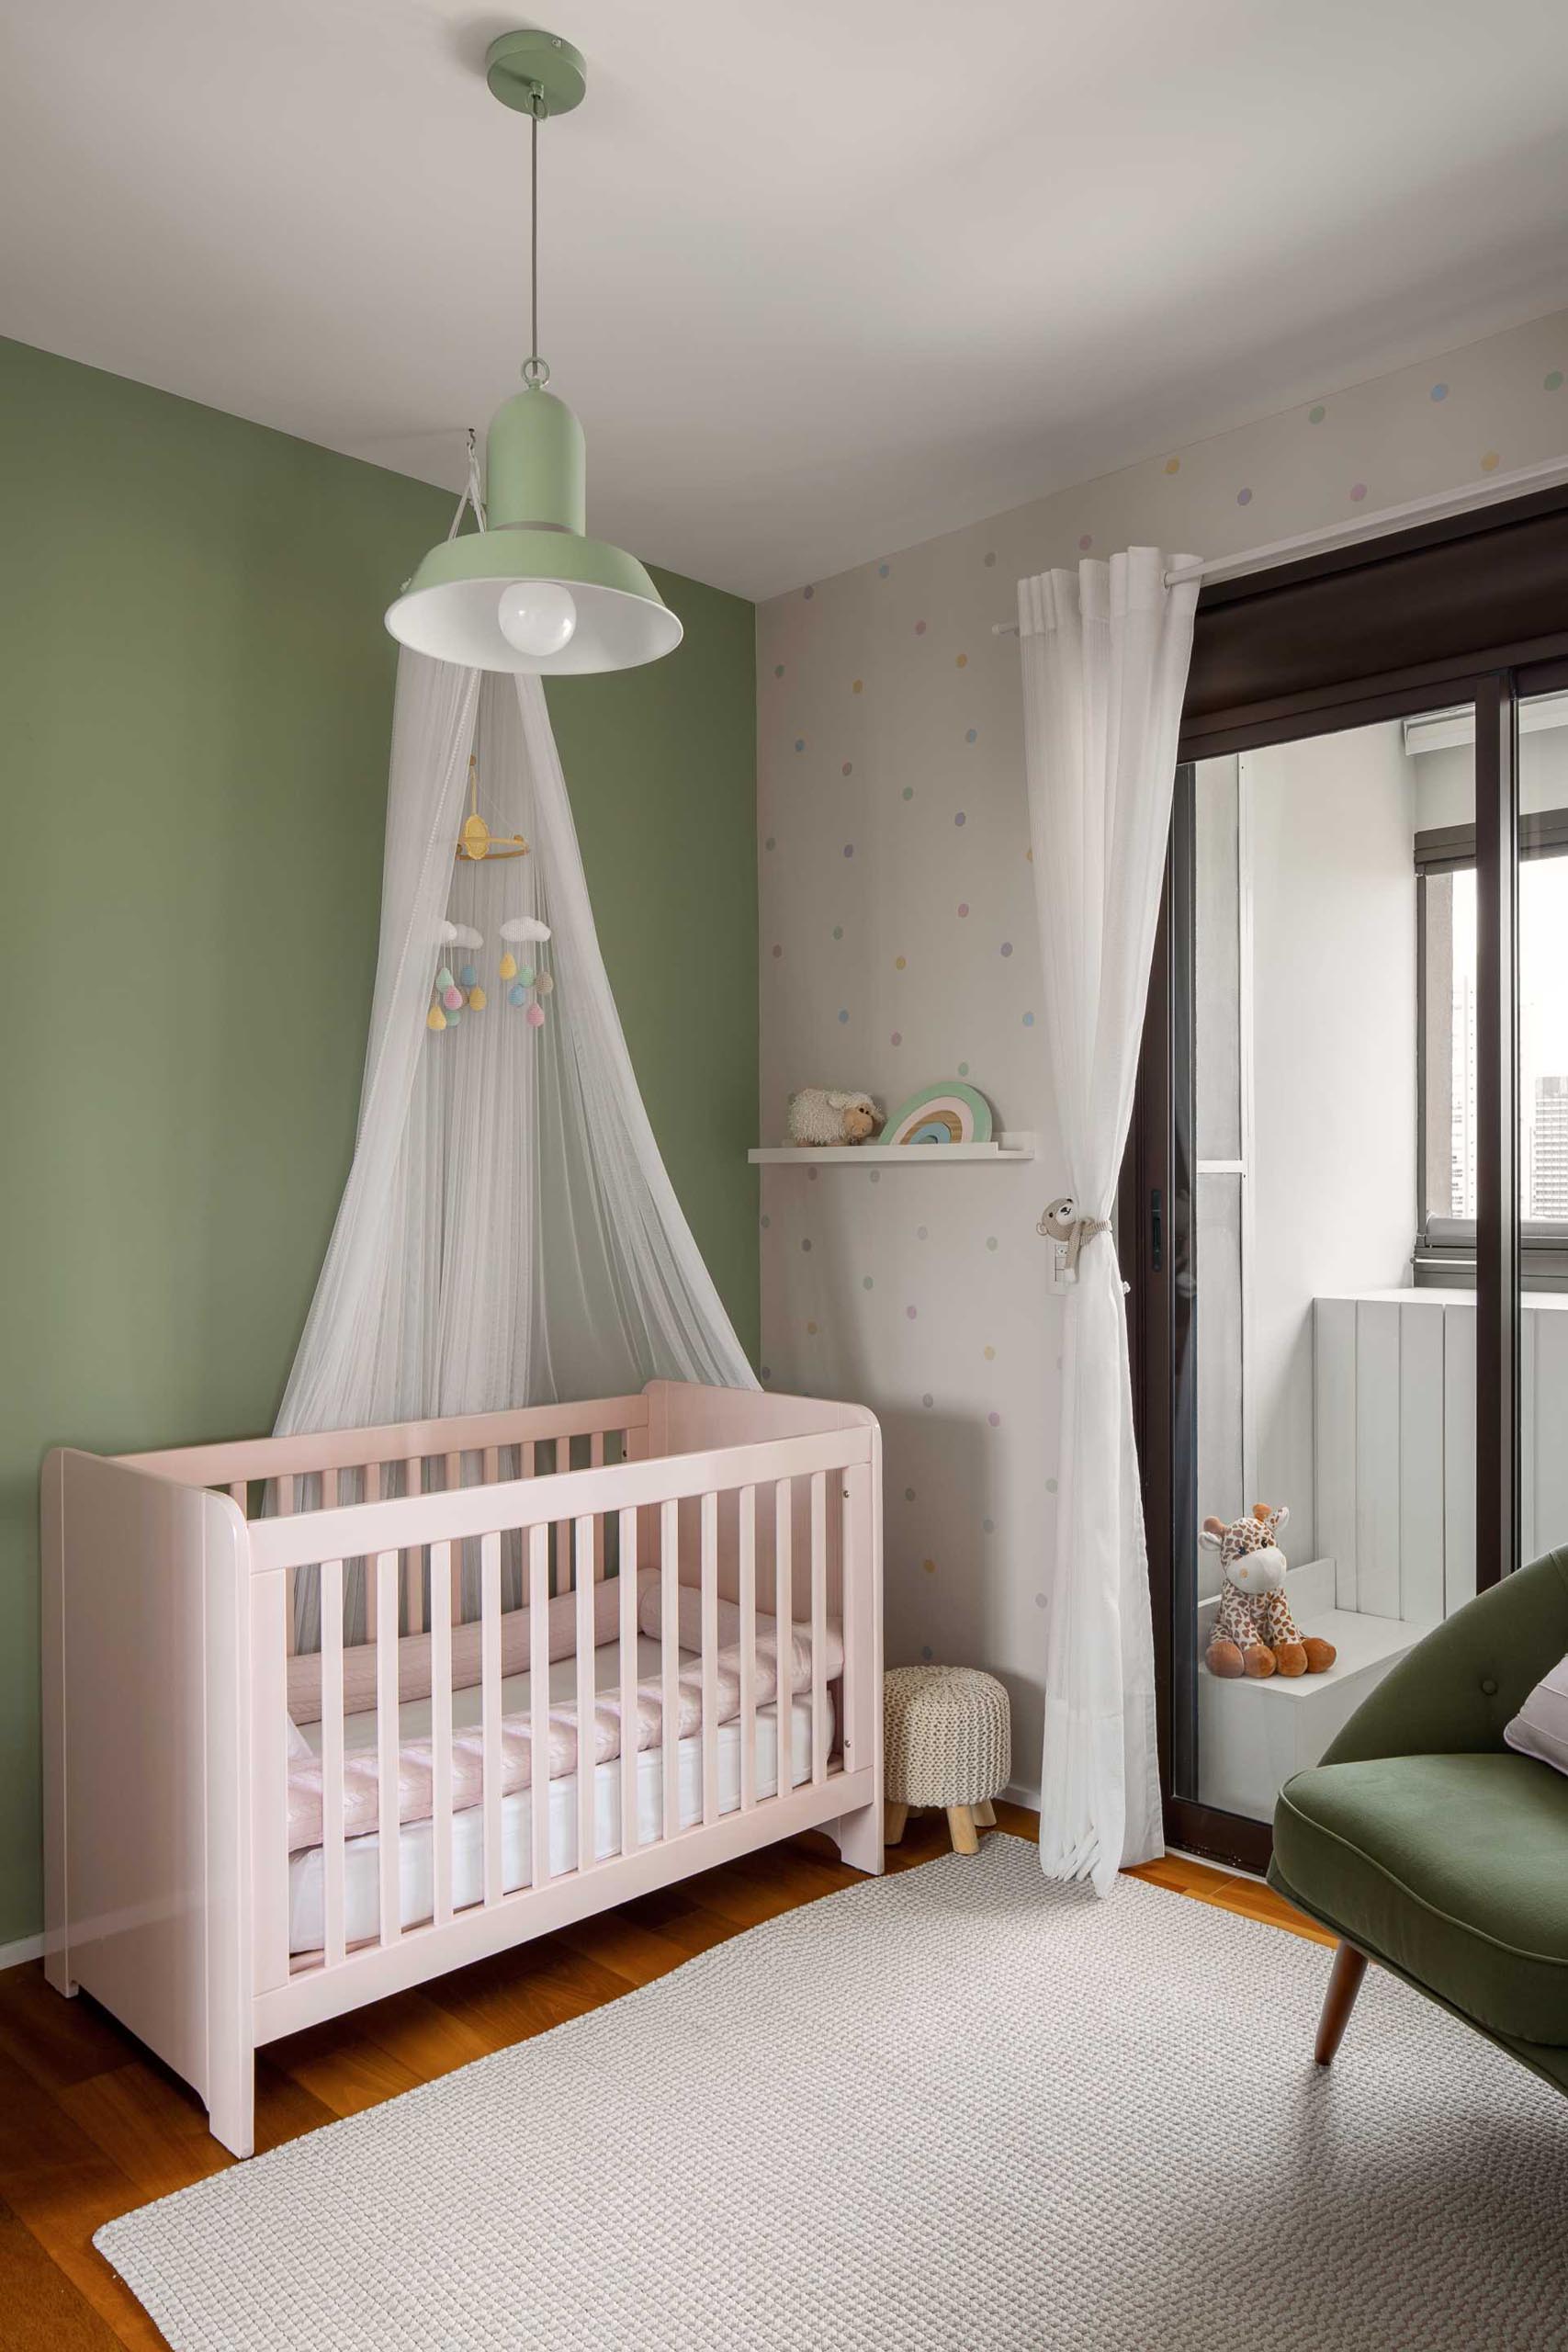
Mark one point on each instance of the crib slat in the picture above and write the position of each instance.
(784, 1631)
(454, 1480)
(539, 1699)
(563, 1553)
(748, 1589)
(596, 1461)
(286, 1510)
(628, 1683)
(669, 1660)
(388, 1806)
(332, 1759)
(587, 1739)
(710, 1656)
(818, 1624)
(492, 1465)
(329, 1489)
(525, 1458)
(240, 1493)
(441, 1729)
(269, 1830)
(413, 1558)
(489, 1677)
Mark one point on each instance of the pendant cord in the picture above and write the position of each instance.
(534, 369)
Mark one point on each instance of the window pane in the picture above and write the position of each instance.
(1543, 1119)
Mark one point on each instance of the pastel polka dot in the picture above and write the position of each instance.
(1439, 392)
(963, 1067)
(909, 792)
(809, 594)
(990, 1355)
(1039, 1601)
(1316, 414)
(908, 1494)
(1490, 462)
(920, 628)
(770, 843)
(837, 931)
(927, 1654)
(1357, 492)
(883, 570)
(767, 1371)
(1084, 544)
(849, 849)
(995, 1420)
(849, 768)
(1051, 1483)
(866, 1283)
(920, 1232)
(911, 1312)
(991, 1242)
(900, 963)
(1244, 498)
(858, 687)
(960, 817)
(1029, 1020)
(876, 1175)
(988, 1526)
(765, 1222)
(1173, 465)
(805, 1246)
(990, 560)
(928, 1400)
(962, 906)
(1005, 947)
(962, 662)
(970, 734)
(778, 669)
(843, 1012)
(929, 1567)
(778, 951)
(811, 1175)
(1553, 380)
(800, 742)
(811, 1328)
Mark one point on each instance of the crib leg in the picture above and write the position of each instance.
(858, 1837)
(232, 2100)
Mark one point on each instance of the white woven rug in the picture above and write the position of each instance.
(953, 2109)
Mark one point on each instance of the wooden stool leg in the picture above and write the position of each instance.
(985, 1814)
(961, 1823)
(893, 1825)
(1344, 1984)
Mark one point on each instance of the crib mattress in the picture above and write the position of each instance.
(416, 1839)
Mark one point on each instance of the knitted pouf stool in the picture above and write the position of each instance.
(949, 1743)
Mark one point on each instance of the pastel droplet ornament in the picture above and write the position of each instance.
(509, 966)
(452, 997)
(526, 974)
(451, 1020)
(543, 985)
(517, 993)
(435, 1018)
(477, 999)
(470, 976)
(535, 1016)
(444, 976)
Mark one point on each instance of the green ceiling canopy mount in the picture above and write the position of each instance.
(524, 68)
(529, 590)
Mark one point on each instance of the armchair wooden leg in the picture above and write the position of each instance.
(1344, 1984)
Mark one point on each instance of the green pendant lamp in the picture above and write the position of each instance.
(529, 590)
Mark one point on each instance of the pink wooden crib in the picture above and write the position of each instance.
(217, 1872)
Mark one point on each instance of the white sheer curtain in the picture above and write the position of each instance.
(508, 1234)
(1105, 660)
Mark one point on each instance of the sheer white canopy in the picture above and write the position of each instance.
(1106, 651)
(508, 1234)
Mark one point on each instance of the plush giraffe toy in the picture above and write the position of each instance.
(1255, 1633)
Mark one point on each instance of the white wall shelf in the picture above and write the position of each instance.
(900, 1155)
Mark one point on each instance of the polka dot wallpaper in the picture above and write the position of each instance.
(898, 947)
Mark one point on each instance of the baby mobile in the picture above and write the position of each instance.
(457, 993)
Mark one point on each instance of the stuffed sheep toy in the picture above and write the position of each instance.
(820, 1114)
(1253, 1633)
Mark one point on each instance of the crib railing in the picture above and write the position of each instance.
(785, 1528)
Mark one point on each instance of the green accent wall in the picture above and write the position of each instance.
(195, 709)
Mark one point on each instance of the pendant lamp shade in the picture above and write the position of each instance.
(506, 596)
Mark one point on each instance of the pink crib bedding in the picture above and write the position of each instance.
(361, 1775)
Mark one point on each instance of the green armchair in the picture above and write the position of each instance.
(1427, 1845)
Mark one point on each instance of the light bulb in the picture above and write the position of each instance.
(537, 616)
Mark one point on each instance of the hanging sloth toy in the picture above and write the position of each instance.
(1254, 1633)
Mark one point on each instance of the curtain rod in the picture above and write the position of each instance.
(1473, 494)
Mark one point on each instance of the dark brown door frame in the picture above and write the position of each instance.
(1507, 573)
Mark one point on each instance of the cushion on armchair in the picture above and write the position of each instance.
(1454, 1866)
(1541, 1727)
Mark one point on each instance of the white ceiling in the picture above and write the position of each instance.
(820, 277)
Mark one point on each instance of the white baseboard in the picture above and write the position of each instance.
(1016, 1793)
(25, 1948)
